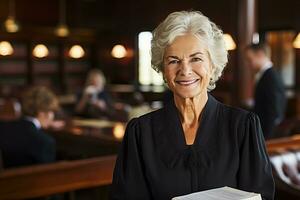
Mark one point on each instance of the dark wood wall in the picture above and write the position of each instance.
(103, 23)
(134, 15)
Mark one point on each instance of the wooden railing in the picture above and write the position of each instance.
(65, 176)
(282, 144)
(48, 179)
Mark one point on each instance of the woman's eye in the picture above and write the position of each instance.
(196, 59)
(173, 61)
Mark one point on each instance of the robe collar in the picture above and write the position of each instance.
(173, 149)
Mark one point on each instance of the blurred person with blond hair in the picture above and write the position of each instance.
(23, 141)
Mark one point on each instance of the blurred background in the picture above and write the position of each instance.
(56, 43)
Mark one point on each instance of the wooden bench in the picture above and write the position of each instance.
(281, 144)
(48, 179)
(284, 156)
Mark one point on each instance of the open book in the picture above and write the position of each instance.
(224, 193)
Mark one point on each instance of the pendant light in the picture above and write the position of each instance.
(62, 29)
(10, 23)
(40, 51)
(6, 48)
(76, 51)
(119, 51)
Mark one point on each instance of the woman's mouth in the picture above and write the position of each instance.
(186, 82)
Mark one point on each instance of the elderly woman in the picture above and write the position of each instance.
(195, 143)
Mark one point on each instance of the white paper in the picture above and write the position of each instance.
(224, 193)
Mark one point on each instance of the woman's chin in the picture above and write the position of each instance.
(188, 94)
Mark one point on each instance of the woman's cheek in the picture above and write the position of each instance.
(206, 71)
(168, 80)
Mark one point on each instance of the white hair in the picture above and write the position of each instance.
(194, 22)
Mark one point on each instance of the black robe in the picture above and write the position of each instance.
(156, 163)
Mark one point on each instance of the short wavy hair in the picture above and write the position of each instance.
(194, 22)
(94, 73)
(38, 99)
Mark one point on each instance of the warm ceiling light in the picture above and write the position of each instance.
(296, 42)
(229, 42)
(6, 48)
(118, 51)
(10, 23)
(76, 51)
(62, 30)
(40, 51)
(119, 131)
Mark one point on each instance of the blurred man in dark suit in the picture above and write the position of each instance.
(269, 98)
(23, 142)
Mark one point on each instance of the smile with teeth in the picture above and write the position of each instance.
(187, 82)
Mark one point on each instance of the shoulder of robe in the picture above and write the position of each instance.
(137, 126)
(151, 115)
(242, 120)
(150, 120)
(234, 113)
(252, 127)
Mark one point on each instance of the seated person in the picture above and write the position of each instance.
(23, 142)
(94, 101)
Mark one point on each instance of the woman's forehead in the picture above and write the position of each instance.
(186, 46)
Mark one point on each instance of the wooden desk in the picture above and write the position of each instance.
(85, 141)
(101, 129)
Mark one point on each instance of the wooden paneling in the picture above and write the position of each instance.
(106, 23)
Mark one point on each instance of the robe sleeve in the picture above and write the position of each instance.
(129, 180)
(255, 172)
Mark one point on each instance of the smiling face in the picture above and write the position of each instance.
(187, 66)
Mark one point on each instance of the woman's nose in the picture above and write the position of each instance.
(185, 68)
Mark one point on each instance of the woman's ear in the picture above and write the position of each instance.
(210, 69)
